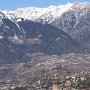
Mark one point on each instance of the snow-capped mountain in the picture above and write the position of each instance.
(19, 37)
(30, 28)
(73, 18)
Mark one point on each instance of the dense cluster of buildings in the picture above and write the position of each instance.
(74, 82)
(69, 82)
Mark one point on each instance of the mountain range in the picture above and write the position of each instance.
(72, 18)
(53, 30)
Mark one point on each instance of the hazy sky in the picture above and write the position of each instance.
(14, 4)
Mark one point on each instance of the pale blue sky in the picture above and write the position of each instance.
(14, 4)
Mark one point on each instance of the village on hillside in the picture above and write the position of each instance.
(46, 82)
